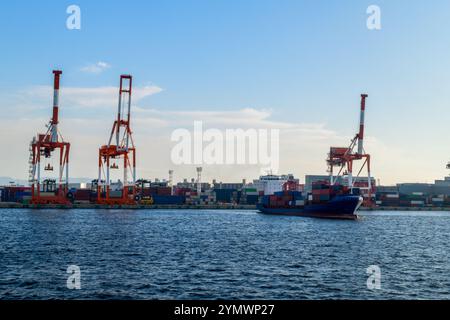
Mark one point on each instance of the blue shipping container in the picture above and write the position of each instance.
(168, 199)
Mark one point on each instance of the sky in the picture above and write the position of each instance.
(298, 66)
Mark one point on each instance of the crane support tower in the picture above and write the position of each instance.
(343, 158)
(119, 154)
(43, 149)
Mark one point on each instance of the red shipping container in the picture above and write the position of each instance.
(164, 191)
(82, 194)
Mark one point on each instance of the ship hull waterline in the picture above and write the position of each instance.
(344, 208)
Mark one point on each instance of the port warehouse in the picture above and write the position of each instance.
(243, 193)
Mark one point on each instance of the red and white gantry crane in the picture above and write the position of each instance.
(344, 158)
(119, 153)
(42, 150)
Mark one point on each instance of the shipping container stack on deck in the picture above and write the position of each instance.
(323, 192)
(283, 199)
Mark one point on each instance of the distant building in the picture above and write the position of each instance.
(77, 185)
(192, 185)
(228, 186)
(387, 189)
(440, 187)
(272, 183)
(445, 182)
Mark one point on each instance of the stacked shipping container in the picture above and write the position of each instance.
(16, 194)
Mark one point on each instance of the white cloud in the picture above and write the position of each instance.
(96, 68)
(303, 146)
(152, 130)
(239, 118)
(76, 97)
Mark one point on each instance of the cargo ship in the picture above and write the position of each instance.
(325, 202)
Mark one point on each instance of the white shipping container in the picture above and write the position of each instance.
(417, 193)
(438, 200)
(417, 202)
(379, 202)
(393, 196)
(299, 202)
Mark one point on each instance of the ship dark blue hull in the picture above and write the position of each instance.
(340, 207)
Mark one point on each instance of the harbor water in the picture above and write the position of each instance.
(183, 254)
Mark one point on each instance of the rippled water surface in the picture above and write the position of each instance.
(221, 254)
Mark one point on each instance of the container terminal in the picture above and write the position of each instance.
(119, 155)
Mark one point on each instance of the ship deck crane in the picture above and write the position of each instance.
(43, 148)
(119, 153)
(344, 158)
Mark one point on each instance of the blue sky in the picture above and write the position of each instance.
(305, 61)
